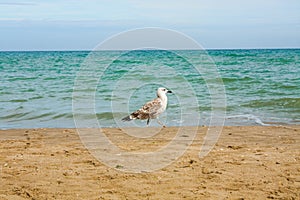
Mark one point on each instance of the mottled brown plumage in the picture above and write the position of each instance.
(152, 109)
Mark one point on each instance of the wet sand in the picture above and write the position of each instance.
(252, 162)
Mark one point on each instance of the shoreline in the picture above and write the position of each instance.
(266, 124)
(256, 162)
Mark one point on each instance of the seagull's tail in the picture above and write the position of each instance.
(128, 118)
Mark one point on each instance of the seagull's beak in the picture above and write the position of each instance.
(169, 91)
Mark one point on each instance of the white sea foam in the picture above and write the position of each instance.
(249, 117)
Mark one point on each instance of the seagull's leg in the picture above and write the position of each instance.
(148, 121)
(160, 123)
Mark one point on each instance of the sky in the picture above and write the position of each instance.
(82, 25)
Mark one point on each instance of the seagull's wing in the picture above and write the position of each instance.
(152, 107)
(148, 110)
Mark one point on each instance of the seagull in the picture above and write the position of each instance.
(151, 109)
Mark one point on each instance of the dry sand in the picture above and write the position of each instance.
(246, 163)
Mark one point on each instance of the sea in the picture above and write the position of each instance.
(69, 89)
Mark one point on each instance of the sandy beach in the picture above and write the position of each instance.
(249, 162)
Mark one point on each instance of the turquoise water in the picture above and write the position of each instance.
(262, 87)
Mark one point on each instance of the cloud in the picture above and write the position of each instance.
(12, 19)
(17, 4)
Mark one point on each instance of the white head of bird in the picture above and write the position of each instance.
(161, 93)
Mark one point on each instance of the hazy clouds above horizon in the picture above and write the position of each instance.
(76, 25)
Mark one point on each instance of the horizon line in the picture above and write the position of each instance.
(78, 50)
